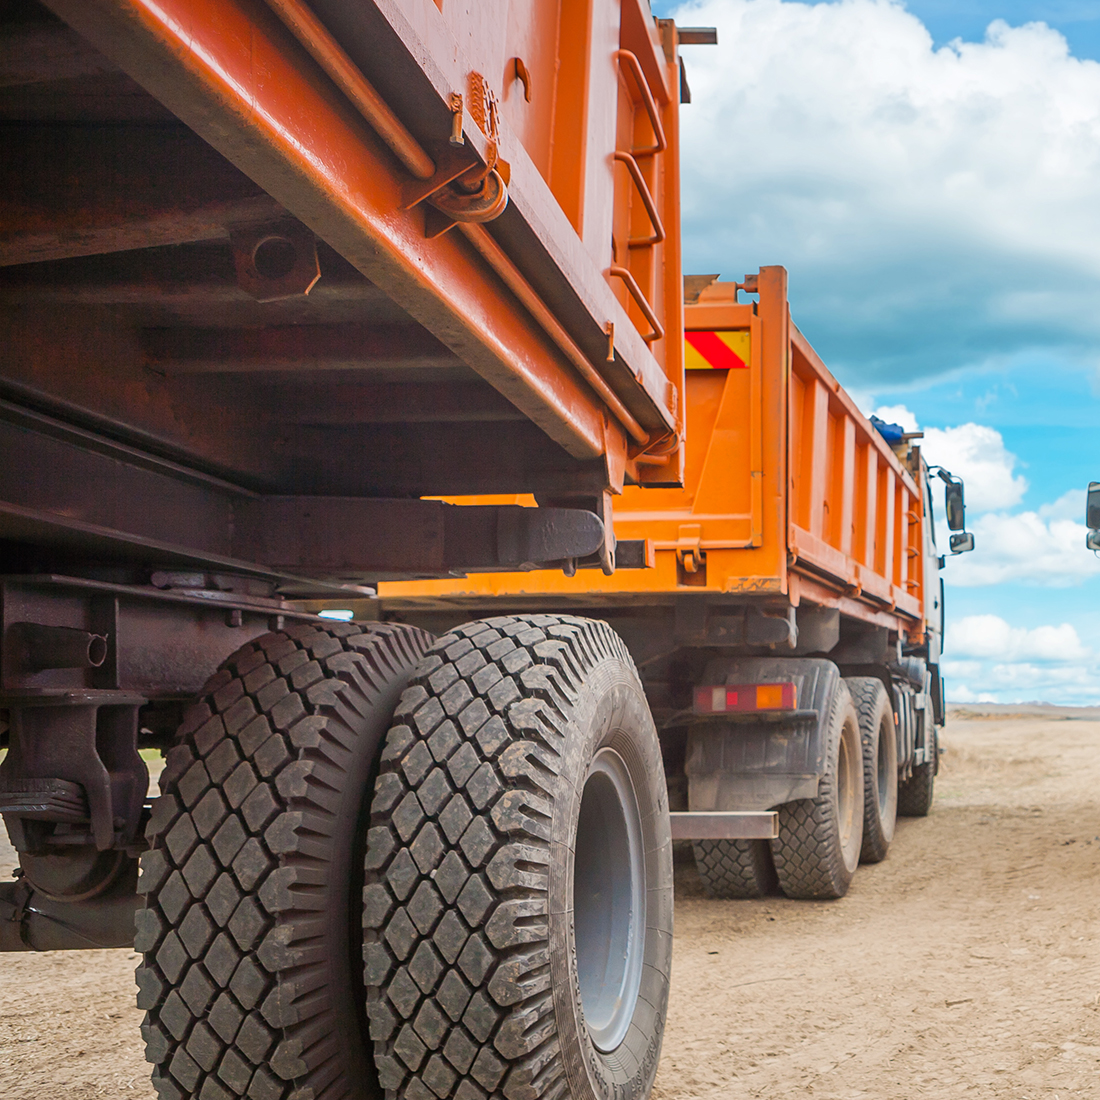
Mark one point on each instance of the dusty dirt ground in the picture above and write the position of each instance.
(966, 964)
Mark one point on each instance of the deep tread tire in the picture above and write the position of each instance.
(472, 973)
(251, 930)
(817, 851)
(736, 868)
(915, 794)
(880, 765)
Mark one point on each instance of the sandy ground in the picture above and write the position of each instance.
(966, 964)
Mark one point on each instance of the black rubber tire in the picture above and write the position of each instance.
(880, 765)
(251, 932)
(817, 850)
(915, 794)
(473, 977)
(736, 868)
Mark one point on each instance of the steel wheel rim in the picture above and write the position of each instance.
(609, 900)
(882, 769)
(846, 788)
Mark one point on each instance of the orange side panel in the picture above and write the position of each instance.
(788, 490)
(852, 500)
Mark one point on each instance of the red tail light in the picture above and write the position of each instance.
(726, 698)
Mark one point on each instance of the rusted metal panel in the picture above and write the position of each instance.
(67, 488)
(33, 53)
(395, 353)
(291, 349)
(78, 190)
(231, 72)
(241, 82)
(352, 403)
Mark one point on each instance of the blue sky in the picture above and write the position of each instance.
(929, 173)
(1077, 20)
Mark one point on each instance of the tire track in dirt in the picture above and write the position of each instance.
(965, 964)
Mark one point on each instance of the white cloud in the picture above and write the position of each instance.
(977, 454)
(962, 670)
(961, 693)
(987, 659)
(1022, 675)
(1023, 683)
(989, 636)
(1025, 547)
(1069, 506)
(935, 207)
(974, 452)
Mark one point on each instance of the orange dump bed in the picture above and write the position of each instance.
(788, 491)
(349, 255)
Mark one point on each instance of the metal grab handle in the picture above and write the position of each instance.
(647, 202)
(629, 61)
(640, 300)
(633, 64)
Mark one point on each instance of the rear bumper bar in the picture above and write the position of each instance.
(725, 825)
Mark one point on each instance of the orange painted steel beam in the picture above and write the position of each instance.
(231, 71)
(495, 256)
(324, 49)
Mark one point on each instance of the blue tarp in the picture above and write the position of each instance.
(892, 433)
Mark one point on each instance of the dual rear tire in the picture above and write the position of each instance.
(822, 840)
(251, 978)
(736, 868)
(819, 843)
(478, 901)
(880, 765)
(519, 893)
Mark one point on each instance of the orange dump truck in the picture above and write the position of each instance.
(274, 274)
(788, 619)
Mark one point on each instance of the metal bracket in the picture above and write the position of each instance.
(87, 738)
(275, 261)
(451, 161)
(689, 553)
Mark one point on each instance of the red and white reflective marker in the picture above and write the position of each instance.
(725, 698)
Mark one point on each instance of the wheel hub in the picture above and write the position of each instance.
(846, 785)
(609, 900)
(883, 768)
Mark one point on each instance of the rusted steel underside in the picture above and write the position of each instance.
(150, 150)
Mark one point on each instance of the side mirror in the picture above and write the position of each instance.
(953, 504)
(1092, 506)
(1092, 540)
(960, 544)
